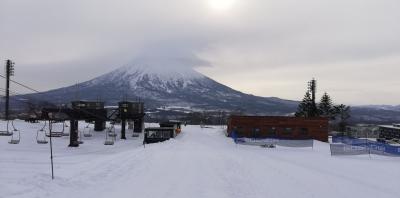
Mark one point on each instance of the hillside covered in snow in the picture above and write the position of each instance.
(162, 86)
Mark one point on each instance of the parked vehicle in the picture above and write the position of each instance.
(158, 134)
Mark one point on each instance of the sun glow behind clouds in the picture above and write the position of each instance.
(221, 5)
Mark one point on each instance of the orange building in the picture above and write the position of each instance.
(282, 127)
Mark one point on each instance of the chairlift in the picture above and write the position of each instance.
(15, 139)
(41, 135)
(65, 132)
(111, 131)
(7, 132)
(87, 131)
(110, 135)
(80, 139)
(56, 133)
(109, 140)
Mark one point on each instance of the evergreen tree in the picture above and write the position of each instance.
(325, 107)
(343, 113)
(305, 106)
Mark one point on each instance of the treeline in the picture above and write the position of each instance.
(337, 114)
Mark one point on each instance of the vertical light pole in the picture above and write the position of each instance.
(9, 73)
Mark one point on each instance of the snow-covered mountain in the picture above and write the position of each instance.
(382, 107)
(181, 89)
(161, 87)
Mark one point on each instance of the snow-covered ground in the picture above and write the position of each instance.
(198, 163)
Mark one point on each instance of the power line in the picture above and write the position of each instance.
(21, 85)
(27, 87)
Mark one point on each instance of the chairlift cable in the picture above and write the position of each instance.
(21, 85)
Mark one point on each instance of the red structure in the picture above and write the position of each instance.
(279, 127)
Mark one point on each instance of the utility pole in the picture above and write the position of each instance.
(312, 87)
(9, 73)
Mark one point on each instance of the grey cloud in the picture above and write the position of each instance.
(77, 40)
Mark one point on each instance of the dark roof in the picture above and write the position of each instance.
(276, 117)
(159, 128)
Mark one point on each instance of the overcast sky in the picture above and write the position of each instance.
(261, 47)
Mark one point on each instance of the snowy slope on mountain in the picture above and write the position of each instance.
(167, 86)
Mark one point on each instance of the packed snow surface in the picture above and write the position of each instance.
(200, 162)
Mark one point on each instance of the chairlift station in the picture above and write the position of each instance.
(95, 112)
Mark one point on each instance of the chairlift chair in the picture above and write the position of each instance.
(15, 139)
(56, 133)
(109, 140)
(80, 141)
(41, 135)
(110, 135)
(111, 131)
(7, 132)
(87, 131)
(65, 132)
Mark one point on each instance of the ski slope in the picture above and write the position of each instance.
(198, 163)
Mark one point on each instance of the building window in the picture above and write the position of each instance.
(303, 131)
(239, 129)
(272, 132)
(287, 131)
(256, 132)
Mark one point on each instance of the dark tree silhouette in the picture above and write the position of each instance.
(343, 113)
(325, 107)
(305, 106)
